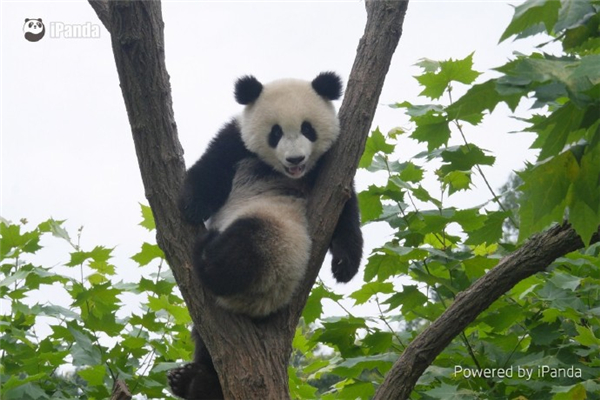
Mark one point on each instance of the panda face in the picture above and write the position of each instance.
(33, 29)
(33, 25)
(287, 123)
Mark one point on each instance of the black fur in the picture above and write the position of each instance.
(308, 131)
(328, 85)
(247, 89)
(347, 242)
(275, 136)
(228, 262)
(208, 182)
(197, 380)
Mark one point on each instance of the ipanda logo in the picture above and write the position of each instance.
(35, 30)
(74, 31)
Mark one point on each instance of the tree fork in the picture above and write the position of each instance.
(251, 358)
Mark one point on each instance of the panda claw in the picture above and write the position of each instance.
(180, 378)
(343, 270)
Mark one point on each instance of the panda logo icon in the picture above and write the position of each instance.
(34, 29)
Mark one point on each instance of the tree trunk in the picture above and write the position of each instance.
(250, 358)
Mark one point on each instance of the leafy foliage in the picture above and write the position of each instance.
(78, 348)
(539, 341)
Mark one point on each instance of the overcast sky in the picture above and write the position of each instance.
(67, 151)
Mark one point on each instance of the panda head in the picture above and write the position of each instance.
(33, 29)
(289, 123)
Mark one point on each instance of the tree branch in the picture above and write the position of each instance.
(120, 391)
(373, 57)
(533, 257)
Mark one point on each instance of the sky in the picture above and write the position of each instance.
(66, 147)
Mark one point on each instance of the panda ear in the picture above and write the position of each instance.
(247, 89)
(328, 85)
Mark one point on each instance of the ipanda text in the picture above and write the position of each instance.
(541, 371)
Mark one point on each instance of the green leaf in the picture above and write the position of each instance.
(93, 375)
(480, 98)
(457, 181)
(179, 312)
(463, 158)
(83, 351)
(147, 218)
(313, 308)
(586, 336)
(530, 14)
(341, 333)
(448, 392)
(378, 342)
(420, 110)
(432, 129)
(384, 266)
(148, 253)
(370, 204)
(375, 143)
(573, 13)
(17, 276)
(11, 238)
(356, 390)
(555, 129)
(545, 191)
(469, 219)
(436, 83)
(585, 206)
(491, 231)
(371, 289)
(574, 392)
(55, 227)
(98, 254)
(409, 298)
(478, 266)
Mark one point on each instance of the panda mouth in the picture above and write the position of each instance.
(296, 171)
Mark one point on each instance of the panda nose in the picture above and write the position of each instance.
(295, 160)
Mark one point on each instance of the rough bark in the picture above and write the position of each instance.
(251, 358)
(120, 391)
(533, 257)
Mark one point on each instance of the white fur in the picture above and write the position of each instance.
(288, 244)
(289, 248)
(288, 103)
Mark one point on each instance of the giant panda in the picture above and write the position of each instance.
(250, 187)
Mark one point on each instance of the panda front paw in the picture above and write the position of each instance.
(344, 268)
(180, 379)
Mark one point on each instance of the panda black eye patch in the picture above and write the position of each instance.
(308, 131)
(275, 135)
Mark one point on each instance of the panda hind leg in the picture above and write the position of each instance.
(229, 262)
(197, 380)
(194, 381)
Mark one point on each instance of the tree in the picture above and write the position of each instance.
(137, 39)
(464, 274)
